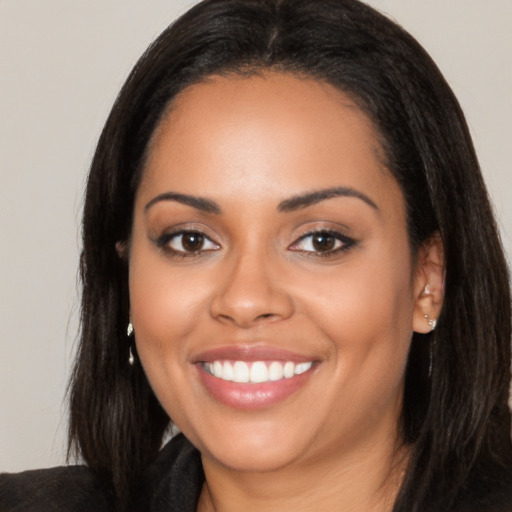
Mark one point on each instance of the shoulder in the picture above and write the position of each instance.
(66, 488)
(173, 482)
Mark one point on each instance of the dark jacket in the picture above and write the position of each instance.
(177, 478)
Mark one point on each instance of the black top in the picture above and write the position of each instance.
(177, 478)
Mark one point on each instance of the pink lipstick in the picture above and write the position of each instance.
(253, 377)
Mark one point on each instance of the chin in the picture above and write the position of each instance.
(253, 448)
(245, 459)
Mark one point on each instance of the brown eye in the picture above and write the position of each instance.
(190, 242)
(323, 242)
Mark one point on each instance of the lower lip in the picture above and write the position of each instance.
(252, 396)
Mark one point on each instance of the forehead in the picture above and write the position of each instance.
(273, 133)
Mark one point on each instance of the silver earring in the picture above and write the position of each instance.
(430, 359)
(427, 291)
(432, 323)
(129, 333)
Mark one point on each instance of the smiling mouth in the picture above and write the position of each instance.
(255, 376)
(256, 372)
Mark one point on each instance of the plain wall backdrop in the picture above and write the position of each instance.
(62, 63)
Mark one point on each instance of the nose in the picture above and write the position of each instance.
(249, 295)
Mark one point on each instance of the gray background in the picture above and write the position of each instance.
(62, 63)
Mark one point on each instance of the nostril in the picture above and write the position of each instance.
(266, 315)
(246, 303)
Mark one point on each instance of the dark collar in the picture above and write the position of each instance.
(176, 477)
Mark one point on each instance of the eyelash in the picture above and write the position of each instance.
(346, 243)
(165, 240)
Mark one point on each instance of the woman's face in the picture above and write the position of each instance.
(269, 244)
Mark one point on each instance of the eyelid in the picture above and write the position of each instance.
(345, 242)
(203, 249)
(164, 241)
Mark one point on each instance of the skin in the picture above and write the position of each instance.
(248, 144)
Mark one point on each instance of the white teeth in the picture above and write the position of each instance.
(275, 371)
(256, 372)
(302, 367)
(259, 372)
(289, 370)
(217, 369)
(240, 372)
(227, 371)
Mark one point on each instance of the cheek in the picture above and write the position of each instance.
(362, 299)
(164, 309)
(366, 311)
(165, 302)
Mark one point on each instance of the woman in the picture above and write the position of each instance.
(288, 251)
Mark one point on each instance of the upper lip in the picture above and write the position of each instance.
(250, 353)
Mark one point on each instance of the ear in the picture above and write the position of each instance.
(428, 284)
(122, 249)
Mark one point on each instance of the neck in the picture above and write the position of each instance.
(366, 482)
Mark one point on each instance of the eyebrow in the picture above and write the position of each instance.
(199, 203)
(311, 198)
(288, 205)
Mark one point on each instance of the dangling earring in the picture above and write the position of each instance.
(431, 358)
(432, 323)
(129, 333)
